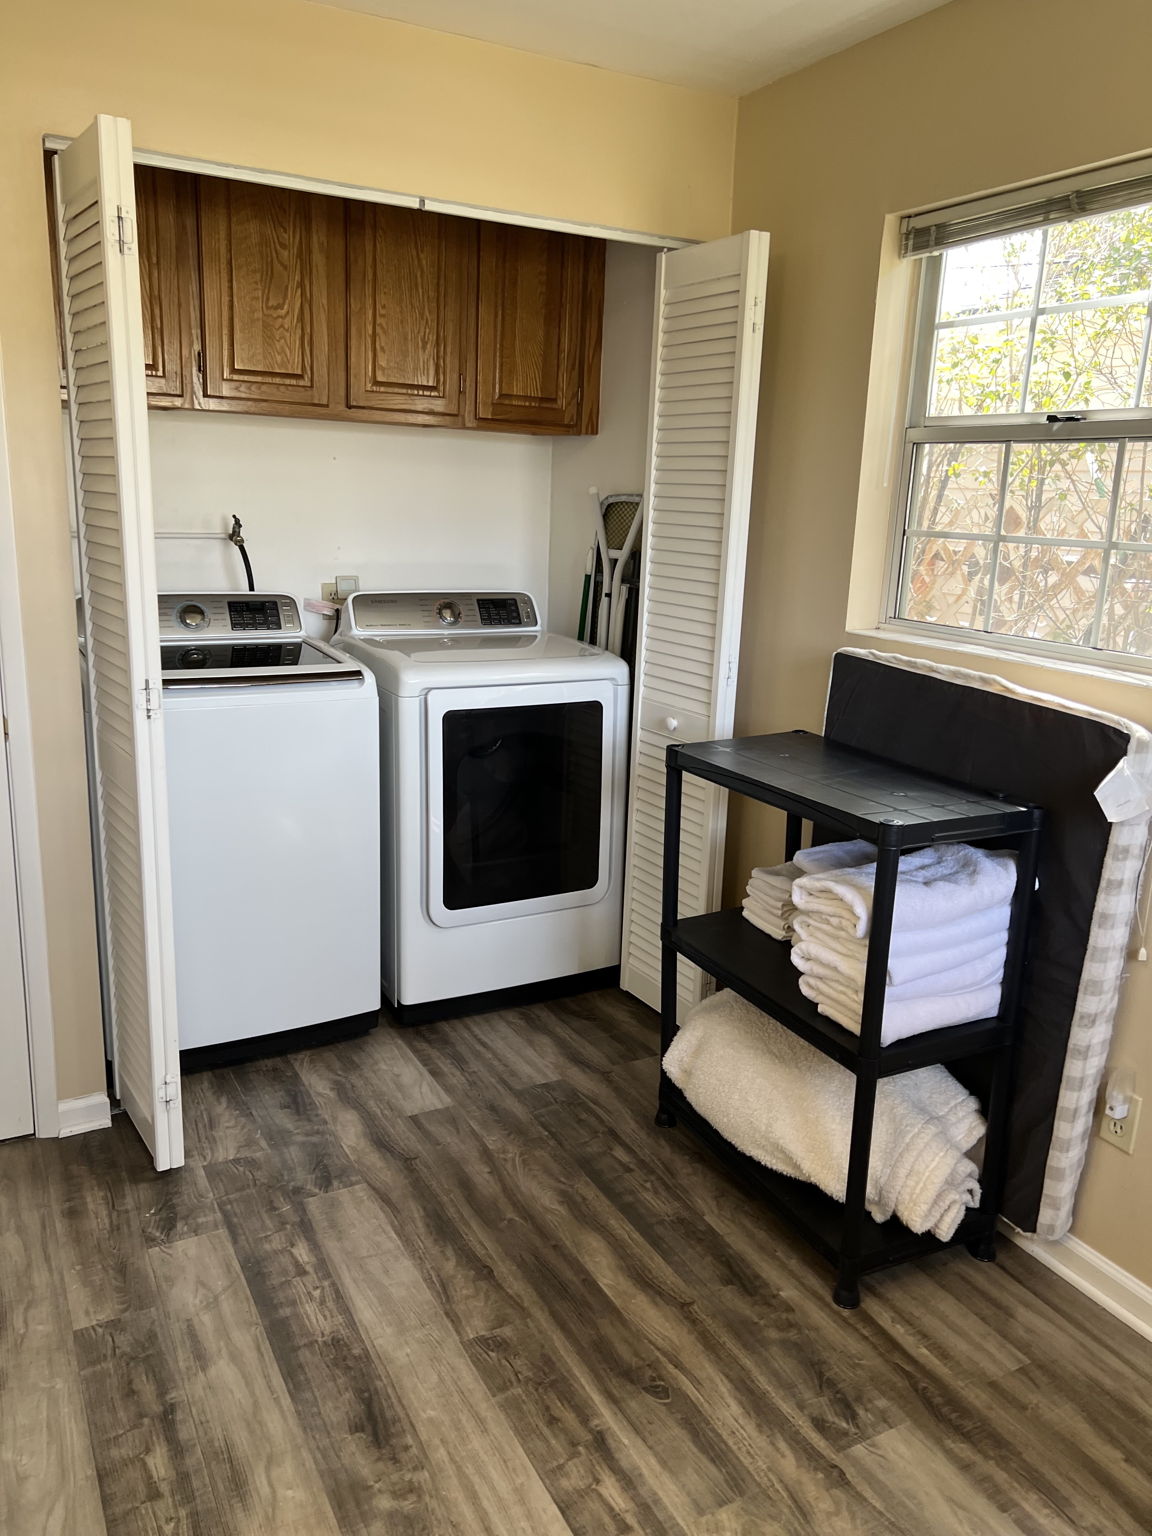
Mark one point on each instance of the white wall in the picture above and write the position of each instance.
(614, 459)
(396, 506)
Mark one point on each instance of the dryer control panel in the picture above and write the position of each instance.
(216, 615)
(432, 613)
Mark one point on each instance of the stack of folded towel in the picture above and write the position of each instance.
(768, 903)
(787, 1105)
(949, 937)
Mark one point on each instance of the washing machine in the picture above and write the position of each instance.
(503, 766)
(271, 742)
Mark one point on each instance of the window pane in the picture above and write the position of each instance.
(978, 369)
(957, 485)
(1127, 621)
(1110, 253)
(1060, 490)
(1134, 512)
(947, 581)
(1088, 359)
(1046, 592)
(990, 276)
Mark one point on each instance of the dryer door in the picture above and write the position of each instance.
(520, 799)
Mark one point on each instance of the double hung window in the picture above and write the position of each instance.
(1027, 470)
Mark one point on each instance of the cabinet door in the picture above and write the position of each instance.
(538, 330)
(410, 278)
(166, 222)
(267, 259)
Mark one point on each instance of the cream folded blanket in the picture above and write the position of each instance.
(935, 885)
(912, 1016)
(787, 1105)
(915, 952)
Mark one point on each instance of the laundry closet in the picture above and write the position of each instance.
(391, 397)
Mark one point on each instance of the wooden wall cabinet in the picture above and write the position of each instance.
(539, 324)
(411, 286)
(266, 300)
(269, 263)
(166, 234)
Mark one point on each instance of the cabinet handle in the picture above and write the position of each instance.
(671, 723)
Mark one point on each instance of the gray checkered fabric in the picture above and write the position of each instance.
(1104, 962)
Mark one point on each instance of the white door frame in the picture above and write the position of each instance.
(325, 188)
(25, 816)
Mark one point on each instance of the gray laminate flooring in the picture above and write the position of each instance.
(453, 1282)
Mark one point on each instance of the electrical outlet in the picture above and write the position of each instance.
(1121, 1133)
(340, 590)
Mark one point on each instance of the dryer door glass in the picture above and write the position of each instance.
(522, 790)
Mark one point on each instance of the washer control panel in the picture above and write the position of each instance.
(213, 615)
(430, 613)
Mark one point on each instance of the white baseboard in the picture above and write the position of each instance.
(90, 1113)
(1106, 1283)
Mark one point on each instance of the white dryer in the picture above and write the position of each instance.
(271, 744)
(503, 764)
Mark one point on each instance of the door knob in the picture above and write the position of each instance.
(671, 723)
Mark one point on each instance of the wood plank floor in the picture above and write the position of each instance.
(453, 1282)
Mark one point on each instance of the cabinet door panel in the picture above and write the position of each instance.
(409, 281)
(266, 261)
(531, 342)
(165, 222)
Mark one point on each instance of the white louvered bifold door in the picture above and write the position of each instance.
(706, 379)
(108, 409)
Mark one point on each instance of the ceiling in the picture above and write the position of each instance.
(725, 45)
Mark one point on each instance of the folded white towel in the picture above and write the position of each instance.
(915, 952)
(910, 1016)
(825, 856)
(910, 941)
(784, 1103)
(935, 885)
(981, 970)
(777, 927)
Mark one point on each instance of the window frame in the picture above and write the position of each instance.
(1130, 423)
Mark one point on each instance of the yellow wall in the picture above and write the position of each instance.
(975, 95)
(315, 91)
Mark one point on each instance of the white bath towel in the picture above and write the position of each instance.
(915, 952)
(825, 856)
(826, 962)
(768, 903)
(784, 1103)
(935, 885)
(911, 1016)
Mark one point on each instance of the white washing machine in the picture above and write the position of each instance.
(503, 766)
(271, 740)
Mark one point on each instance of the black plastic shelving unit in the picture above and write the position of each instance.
(841, 792)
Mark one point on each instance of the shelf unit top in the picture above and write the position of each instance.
(824, 782)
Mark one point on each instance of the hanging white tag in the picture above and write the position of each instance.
(1123, 795)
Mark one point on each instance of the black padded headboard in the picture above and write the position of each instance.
(1028, 751)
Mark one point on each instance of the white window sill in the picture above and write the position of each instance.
(981, 657)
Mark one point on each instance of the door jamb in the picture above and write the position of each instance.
(25, 817)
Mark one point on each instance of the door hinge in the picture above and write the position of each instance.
(125, 231)
(151, 696)
(169, 1090)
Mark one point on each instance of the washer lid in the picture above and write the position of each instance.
(276, 659)
(413, 664)
(439, 613)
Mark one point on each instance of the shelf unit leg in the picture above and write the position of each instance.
(847, 1290)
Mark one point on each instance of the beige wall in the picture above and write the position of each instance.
(975, 95)
(315, 91)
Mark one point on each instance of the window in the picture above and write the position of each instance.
(1027, 486)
